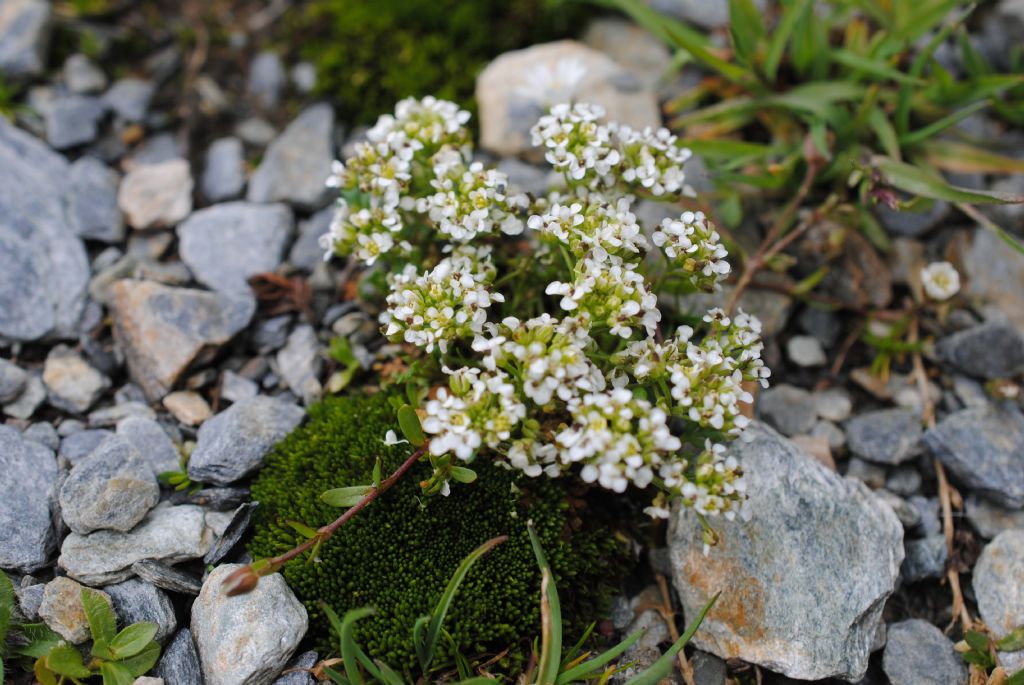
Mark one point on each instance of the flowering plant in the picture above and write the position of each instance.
(543, 311)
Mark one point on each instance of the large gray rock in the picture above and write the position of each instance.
(72, 383)
(92, 201)
(235, 442)
(62, 609)
(24, 37)
(111, 489)
(136, 601)
(163, 331)
(225, 244)
(152, 442)
(28, 476)
(885, 436)
(299, 363)
(179, 663)
(770, 307)
(224, 174)
(917, 653)
(812, 532)
(156, 195)
(247, 639)
(991, 350)
(518, 87)
(298, 162)
(44, 271)
(170, 533)
(984, 448)
(998, 583)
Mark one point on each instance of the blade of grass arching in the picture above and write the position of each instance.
(728, 70)
(857, 62)
(551, 618)
(570, 655)
(884, 131)
(746, 28)
(942, 124)
(917, 181)
(663, 666)
(923, 18)
(654, 21)
(815, 97)
(352, 655)
(969, 159)
(583, 670)
(987, 224)
(739, 111)
(791, 13)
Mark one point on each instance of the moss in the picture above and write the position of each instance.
(398, 554)
(371, 53)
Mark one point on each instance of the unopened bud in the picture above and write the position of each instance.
(241, 581)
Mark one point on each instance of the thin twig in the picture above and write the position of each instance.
(669, 617)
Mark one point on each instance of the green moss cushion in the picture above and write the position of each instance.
(398, 554)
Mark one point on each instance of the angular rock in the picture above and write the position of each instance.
(984, 448)
(632, 46)
(73, 120)
(129, 98)
(157, 149)
(235, 442)
(518, 87)
(306, 252)
(24, 37)
(81, 444)
(833, 404)
(267, 79)
(29, 400)
(135, 601)
(790, 409)
(298, 162)
(225, 244)
(297, 671)
(28, 476)
(996, 275)
(44, 270)
(188, 407)
(989, 519)
(235, 388)
(237, 527)
(709, 14)
(110, 416)
(805, 351)
(73, 384)
(926, 558)
(30, 598)
(911, 224)
(299, 363)
(248, 638)
(13, 379)
(303, 76)
(152, 442)
(999, 588)
(167, 578)
(156, 195)
(885, 436)
(43, 433)
(991, 350)
(215, 499)
(917, 653)
(165, 330)
(810, 533)
(111, 489)
(63, 611)
(224, 174)
(179, 663)
(171, 534)
(81, 75)
(92, 201)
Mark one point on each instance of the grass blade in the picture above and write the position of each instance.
(942, 124)
(551, 618)
(969, 159)
(917, 181)
(791, 14)
(581, 671)
(663, 666)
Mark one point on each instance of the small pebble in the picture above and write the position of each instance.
(188, 407)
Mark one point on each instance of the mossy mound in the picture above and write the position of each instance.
(398, 554)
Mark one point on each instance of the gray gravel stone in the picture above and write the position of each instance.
(306, 252)
(911, 224)
(926, 558)
(833, 404)
(906, 512)
(170, 533)
(904, 480)
(272, 334)
(885, 436)
(990, 519)
(215, 499)
(167, 578)
(129, 98)
(72, 384)
(811, 532)
(267, 79)
(24, 37)
(224, 174)
(236, 528)
(917, 653)
(28, 476)
(157, 149)
(996, 275)
(73, 120)
(13, 379)
(225, 244)
(805, 351)
(179, 663)
(790, 409)
(156, 195)
(991, 350)
(832, 433)
(152, 442)
(984, 448)
(303, 76)
(235, 388)
(62, 609)
(136, 601)
(299, 364)
(92, 201)
(111, 416)
(111, 489)
(80, 444)
(256, 649)
(255, 131)
(298, 162)
(234, 443)
(43, 433)
(29, 600)
(296, 671)
(707, 14)
(929, 510)
(81, 75)
(29, 400)
(998, 583)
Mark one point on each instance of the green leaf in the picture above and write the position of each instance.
(115, 674)
(303, 530)
(815, 97)
(463, 475)
(746, 28)
(583, 670)
(942, 124)
(345, 497)
(656, 22)
(133, 639)
(551, 617)
(873, 67)
(341, 352)
(663, 666)
(6, 607)
(1012, 641)
(725, 148)
(102, 622)
(791, 14)
(916, 181)
(976, 640)
(43, 674)
(65, 660)
(141, 663)
(969, 159)
(1016, 679)
(336, 677)
(885, 132)
(40, 640)
(409, 422)
(426, 641)
(730, 71)
(2, 678)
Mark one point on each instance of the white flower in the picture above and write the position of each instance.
(651, 160)
(609, 292)
(592, 224)
(576, 143)
(691, 243)
(391, 439)
(940, 280)
(545, 86)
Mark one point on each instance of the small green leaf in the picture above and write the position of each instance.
(133, 639)
(550, 615)
(43, 674)
(2, 679)
(341, 352)
(976, 640)
(346, 497)
(884, 131)
(377, 468)
(102, 622)
(582, 671)
(746, 28)
(409, 422)
(303, 530)
(876, 68)
(115, 674)
(6, 607)
(1012, 641)
(1016, 679)
(141, 663)
(40, 640)
(463, 475)
(685, 41)
(916, 181)
(791, 14)
(65, 660)
(969, 159)
(942, 124)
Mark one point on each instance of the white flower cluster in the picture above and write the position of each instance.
(555, 359)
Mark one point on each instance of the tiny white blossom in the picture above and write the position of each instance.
(391, 439)
(941, 281)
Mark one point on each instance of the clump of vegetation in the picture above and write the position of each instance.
(397, 555)
(19, 640)
(371, 53)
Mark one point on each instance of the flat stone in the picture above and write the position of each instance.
(44, 433)
(224, 174)
(917, 653)
(885, 436)
(81, 444)
(73, 385)
(995, 275)
(28, 476)
(518, 87)
(156, 149)
(984, 448)
(247, 638)
(44, 270)
(236, 388)
(188, 407)
(789, 408)
(156, 195)
(179, 663)
(805, 351)
(73, 120)
(306, 252)
(235, 442)
(255, 131)
(129, 98)
(990, 519)
(63, 612)
(267, 79)
(163, 331)
(225, 244)
(998, 583)
(811, 532)
(833, 434)
(29, 600)
(991, 350)
(29, 400)
(833, 404)
(152, 442)
(904, 480)
(111, 416)
(925, 559)
(92, 201)
(303, 76)
(167, 578)
(642, 54)
(233, 532)
(135, 601)
(297, 671)
(24, 37)
(171, 534)
(13, 379)
(81, 75)
(911, 224)
(298, 162)
(299, 363)
(111, 489)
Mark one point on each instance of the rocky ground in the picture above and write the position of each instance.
(161, 288)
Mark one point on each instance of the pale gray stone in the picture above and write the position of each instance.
(28, 476)
(298, 162)
(62, 610)
(44, 433)
(92, 201)
(73, 120)
(790, 409)
(129, 98)
(179, 663)
(998, 583)
(770, 307)
(135, 601)
(995, 275)
(917, 653)
(991, 350)
(81, 75)
(709, 14)
(13, 379)
(29, 400)
(990, 519)
(80, 444)
(805, 351)
(297, 671)
(152, 442)
(925, 558)
(885, 436)
(111, 416)
(72, 383)
(646, 57)
(24, 37)
(307, 252)
(299, 363)
(224, 174)
(156, 195)
(236, 388)
(303, 77)
(167, 578)
(267, 79)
